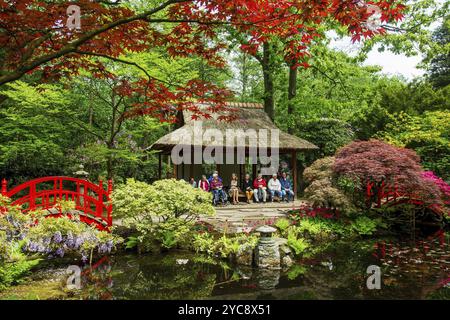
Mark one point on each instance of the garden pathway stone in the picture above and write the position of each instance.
(245, 217)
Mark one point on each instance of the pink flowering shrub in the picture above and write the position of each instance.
(441, 184)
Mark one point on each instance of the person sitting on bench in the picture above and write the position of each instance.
(217, 190)
(234, 189)
(260, 186)
(192, 182)
(274, 186)
(247, 187)
(204, 184)
(210, 179)
(286, 188)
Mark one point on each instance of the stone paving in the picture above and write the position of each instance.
(244, 217)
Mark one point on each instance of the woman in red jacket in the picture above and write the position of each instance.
(204, 184)
(260, 186)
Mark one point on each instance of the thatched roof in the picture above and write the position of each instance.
(247, 116)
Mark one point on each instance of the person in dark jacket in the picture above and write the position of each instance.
(286, 187)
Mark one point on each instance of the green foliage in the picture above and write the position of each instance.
(173, 232)
(282, 225)
(414, 33)
(223, 246)
(226, 246)
(295, 271)
(319, 169)
(428, 135)
(328, 134)
(34, 131)
(439, 68)
(131, 242)
(322, 190)
(299, 245)
(364, 226)
(12, 273)
(204, 242)
(164, 211)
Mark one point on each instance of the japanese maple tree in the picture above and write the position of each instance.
(377, 161)
(34, 37)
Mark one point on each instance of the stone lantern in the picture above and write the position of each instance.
(267, 252)
(81, 174)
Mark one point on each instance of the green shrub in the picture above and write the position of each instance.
(223, 246)
(16, 267)
(364, 226)
(203, 242)
(282, 225)
(322, 193)
(163, 212)
(299, 245)
(323, 190)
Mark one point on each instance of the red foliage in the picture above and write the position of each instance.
(305, 211)
(377, 161)
(34, 36)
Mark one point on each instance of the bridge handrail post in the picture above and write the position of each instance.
(98, 205)
(32, 196)
(4, 187)
(110, 189)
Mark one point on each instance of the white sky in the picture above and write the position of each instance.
(391, 63)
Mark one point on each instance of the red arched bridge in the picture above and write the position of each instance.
(92, 201)
(384, 194)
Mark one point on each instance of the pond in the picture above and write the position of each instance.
(409, 270)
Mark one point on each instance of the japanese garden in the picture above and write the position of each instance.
(211, 149)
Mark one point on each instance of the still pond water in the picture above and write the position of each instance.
(409, 270)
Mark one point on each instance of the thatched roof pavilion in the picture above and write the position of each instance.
(248, 116)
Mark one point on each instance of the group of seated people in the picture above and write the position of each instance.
(258, 189)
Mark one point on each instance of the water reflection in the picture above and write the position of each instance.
(418, 270)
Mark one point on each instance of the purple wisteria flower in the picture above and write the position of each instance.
(60, 252)
(57, 237)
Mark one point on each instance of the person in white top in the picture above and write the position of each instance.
(274, 187)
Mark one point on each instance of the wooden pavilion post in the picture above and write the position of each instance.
(159, 165)
(191, 166)
(294, 171)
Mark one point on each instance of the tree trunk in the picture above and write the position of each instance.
(266, 63)
(244, 77)
(292, 92)
(110, 165)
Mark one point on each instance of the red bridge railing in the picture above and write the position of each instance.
(384, 194)
(92, 202)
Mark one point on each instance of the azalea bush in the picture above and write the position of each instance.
(443, 186)
(164, 211)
